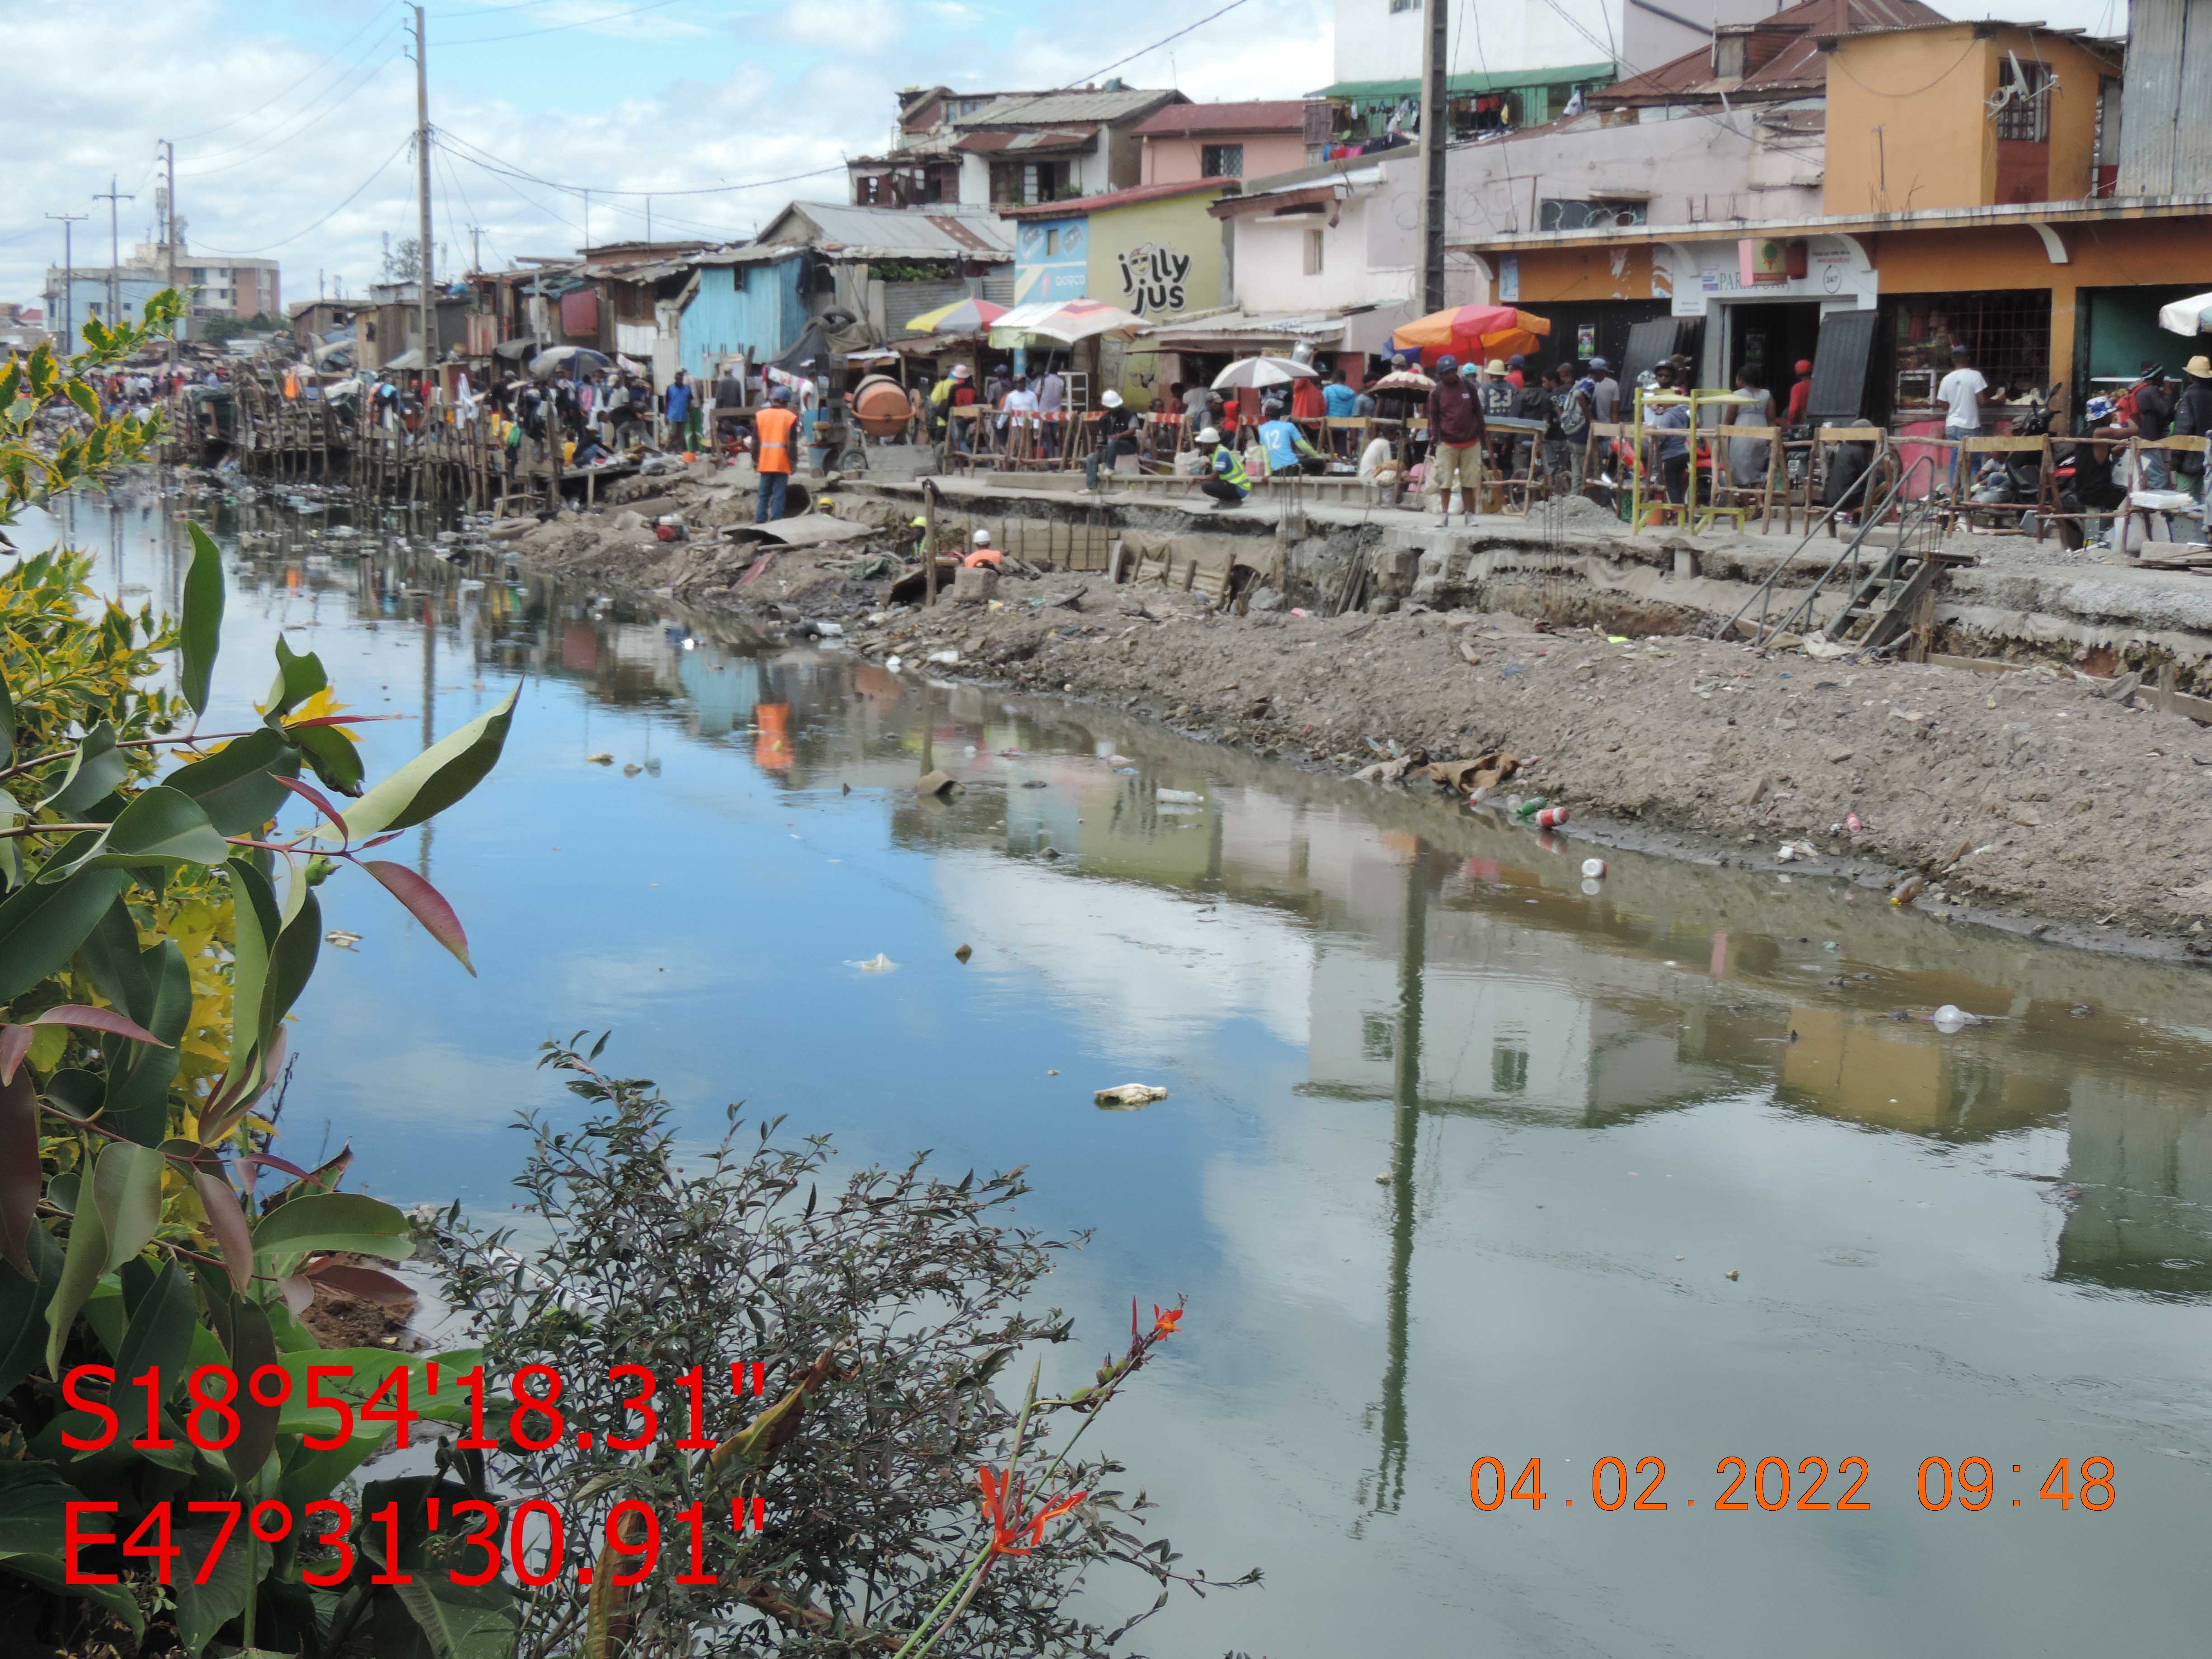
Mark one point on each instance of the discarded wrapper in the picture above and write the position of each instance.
(1127, 1095)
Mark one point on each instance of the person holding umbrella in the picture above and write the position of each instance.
(1456, 435)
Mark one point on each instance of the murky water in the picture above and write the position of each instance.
(1593, 1108)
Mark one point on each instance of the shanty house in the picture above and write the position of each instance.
(982, 151)
(1232, 141)
(859, 272)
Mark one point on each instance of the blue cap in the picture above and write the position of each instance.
(1445, 363)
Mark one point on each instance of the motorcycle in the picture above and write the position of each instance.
(2016, 480)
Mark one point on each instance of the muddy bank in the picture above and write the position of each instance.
(2028, 793)
(2034, 794)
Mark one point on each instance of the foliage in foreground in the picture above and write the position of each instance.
(907, 1506)
(155, 935)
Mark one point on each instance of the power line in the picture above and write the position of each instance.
(263, 145)
(342, 47)
(556, 28)
(250, 253)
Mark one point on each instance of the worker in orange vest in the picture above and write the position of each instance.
(774, 435)
(985, 554)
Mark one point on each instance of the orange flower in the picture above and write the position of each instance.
(1163, 1324)
(1002, 1506)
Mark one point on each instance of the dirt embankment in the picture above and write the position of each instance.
(2027, 793)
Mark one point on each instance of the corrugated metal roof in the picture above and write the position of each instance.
(1180, 120)
(1043, 109)
(1028, 144)
(1076, 207)
(1783, 52)
(892, 233)
(1370, 92)
(1245, 325)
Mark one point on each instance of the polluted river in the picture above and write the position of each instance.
(1471, 1167)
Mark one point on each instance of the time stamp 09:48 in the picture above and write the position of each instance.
(1772, 1484)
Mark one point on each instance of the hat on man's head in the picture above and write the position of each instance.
(780, 395)
(1804, 365)
(1494, 366)
(1601, 366)
(2199, 369)
(1111, 399)
(1960, 348)
(960, 371)
(1446, 363)
(2098, 408)
(1516, 361)
(1209, 434)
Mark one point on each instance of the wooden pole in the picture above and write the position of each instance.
(929, 543)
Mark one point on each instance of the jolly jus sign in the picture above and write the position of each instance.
(1154, 279)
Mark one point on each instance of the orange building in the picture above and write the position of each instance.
(1966, 182)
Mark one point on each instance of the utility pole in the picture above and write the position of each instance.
(587, 248)
(169, 246)
(648, 221)
(111, 196)
(422, 271)
(1436, 120)
(475, 247)
(69, 281)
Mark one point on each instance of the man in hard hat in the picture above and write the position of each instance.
(955, 391)
(1225, 478)
(1116, 437)
(776, 439)
(984, 554)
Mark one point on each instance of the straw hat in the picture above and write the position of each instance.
(2199, 369)
(1494, 366)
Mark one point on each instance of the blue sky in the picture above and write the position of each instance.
(292, 121)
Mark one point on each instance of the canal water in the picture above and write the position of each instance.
(1679, 1168)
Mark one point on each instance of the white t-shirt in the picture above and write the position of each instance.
(1961, 395)
(1378, 455)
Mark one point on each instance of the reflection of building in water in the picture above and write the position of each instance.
(2139, 1156)
(1906, 1075)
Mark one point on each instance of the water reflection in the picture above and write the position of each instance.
(1340, 983)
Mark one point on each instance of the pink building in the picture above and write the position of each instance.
(1185, 142)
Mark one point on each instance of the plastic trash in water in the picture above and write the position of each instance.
(1593, 887)
(1550, 818)
(1528, 808)
(1950, 1017)
(1593, 868)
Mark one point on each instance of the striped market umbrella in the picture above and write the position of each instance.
(1068, 321)
(968, 316)
(1468, 331)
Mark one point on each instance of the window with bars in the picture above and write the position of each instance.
(1221, 160)
(2006, 333)
(2024, 110)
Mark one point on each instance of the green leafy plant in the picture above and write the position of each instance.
(905, 1507)
(156, 929)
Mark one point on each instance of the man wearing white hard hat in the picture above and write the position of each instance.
(984, 554)
(1226, 480)
(1116, 437)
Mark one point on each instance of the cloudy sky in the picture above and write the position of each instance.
(292, 121)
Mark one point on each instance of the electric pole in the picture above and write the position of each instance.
(69, 281)
(111, 196)
(423, 272)
(169, 241)
(1436, 121)
(587, 248)
(475, 247)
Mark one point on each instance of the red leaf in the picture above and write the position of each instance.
(274, 1162)
(98, 1020)
(308, 793)
(225, 1113)
(228, 1221)
(367, 1284)
(18, 1170)
(425, 904)
(380, 840)
(341, 719)
(15, 1043)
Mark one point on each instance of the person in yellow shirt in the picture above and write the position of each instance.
(776, 437)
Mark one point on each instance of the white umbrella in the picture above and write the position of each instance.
(2185, 316)
(1262, 372)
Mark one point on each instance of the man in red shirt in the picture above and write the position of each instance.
(1800, 395)
(1455, 439)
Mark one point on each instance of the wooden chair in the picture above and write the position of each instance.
(1745, 500)
(2179, 446)
(1971, 449)
(1825, 441)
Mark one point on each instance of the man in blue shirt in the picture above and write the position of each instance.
(1674, 453)
(1286, 448)
(1339, 397)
